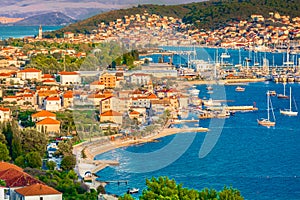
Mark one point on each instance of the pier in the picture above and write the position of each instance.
(234, 108)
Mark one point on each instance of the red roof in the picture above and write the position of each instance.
(53, 98)
(30, 70)
(134, 113)
(37, 189)
(43, 113)
(6, 165)
(111, 113)
(68, 94)
(68, 73)
(47, 76)
(16, 178)
(5, 109)
(48, 121)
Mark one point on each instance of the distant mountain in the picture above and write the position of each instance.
(47, 19)
(77, 9)
(204, 15)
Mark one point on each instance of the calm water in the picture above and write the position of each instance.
(236, 56)
(21, 31)
(263, 163)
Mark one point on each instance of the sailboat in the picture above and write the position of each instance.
(289, 112)
(267, 122)
(283, 96)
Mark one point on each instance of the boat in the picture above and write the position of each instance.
(267, 122)
(225, 55)
(194, 92)
(272, 93)
(239, 89)
(283, 96)
(209, 88)
(133, 190)
(289, 111)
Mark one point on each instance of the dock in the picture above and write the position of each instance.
(234, 108)
(184, 121)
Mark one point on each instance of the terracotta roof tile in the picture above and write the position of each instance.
(37, 189)
(6, 165)
(15, 178)
(48, 121)
(30, 70)
(43, 113)
(4, 110)
(111, 113)
(53, 98)
(68, 73)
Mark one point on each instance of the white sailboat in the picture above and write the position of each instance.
(267, 122)
(283, 96)
(289, 111)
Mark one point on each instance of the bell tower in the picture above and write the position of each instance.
(40, 36)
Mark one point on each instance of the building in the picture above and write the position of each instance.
(40, 36)
(39, 116)
(49, 126)
(37, 192)
(52, 104)
(30, 74)
(109, 80)
(97, 85)
(111, 116)
(69, 78)
(68, 99)
(5, 114)
(140, 78)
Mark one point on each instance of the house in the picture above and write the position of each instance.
(140, 78)
(111, 116)
(52, 103)
(30, 73)
(48, 125)
(105, 104)
(109, 80)
(97, 85)
(5, 114)
(68, 99)
(69, 78)
(39, 116)
(37, 192)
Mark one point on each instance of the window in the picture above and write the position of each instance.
(41, 198)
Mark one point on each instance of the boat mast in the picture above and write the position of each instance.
(290, 99)
(268, 105)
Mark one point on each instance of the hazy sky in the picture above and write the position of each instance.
(25, 6)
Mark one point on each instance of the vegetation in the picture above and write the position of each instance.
(164, 188)
(65, 182)
(204, 15)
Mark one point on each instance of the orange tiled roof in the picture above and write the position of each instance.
(48, 121)
(30, 70)
(16, 178)
(6, 165)
(53, 98)
(43, 113)
(4, 110)
(134, 113)
(47, 76)
(37, 189)
(97, 83)
(111, 113)
(68, 73)
(68, 94)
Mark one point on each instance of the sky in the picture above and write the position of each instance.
(30, 7)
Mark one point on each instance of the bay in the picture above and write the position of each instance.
(263, 163)
(22, 31)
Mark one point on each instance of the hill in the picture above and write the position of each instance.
(48, 19)
(205, 15)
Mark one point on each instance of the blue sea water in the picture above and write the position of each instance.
(236, 56)
(263, 163)
(21, 31)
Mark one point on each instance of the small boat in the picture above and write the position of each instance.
(289, 111)
(225, 55)
(239, 89)
(272, 93)
(267, 122)
(194, 92)
(209, 88)
(133, 190)
(283, 96)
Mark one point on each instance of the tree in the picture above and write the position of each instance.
(33, 160)
(4, 153)
(68, 162)
(51, 165)
(33, 141)
(2, 138)
(20, 161)
(65, 148)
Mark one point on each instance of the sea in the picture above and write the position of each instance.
(263, 163)
(22, 31)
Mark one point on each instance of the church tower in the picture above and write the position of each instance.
(40, 36)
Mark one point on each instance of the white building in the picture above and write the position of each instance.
(52, 104)
(5, 114)
(30, 73)
(140, 78)
(69, 78)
